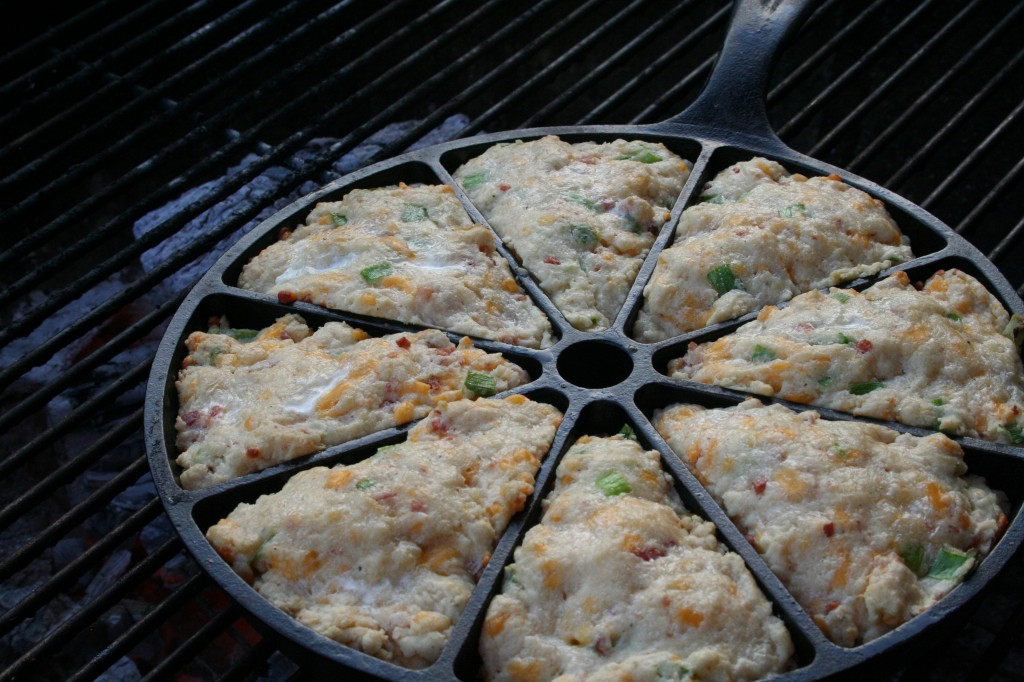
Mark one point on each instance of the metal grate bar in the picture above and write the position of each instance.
(651, 111)
(70, 469)
(31, 78)
(26, 116)
(1011, 236)
(926, 97)
(799, 74)
(900, 175)
(88, 614)
(993, 194)
(70, 519)
(884, 88)
(638, 81)
(606, 65)
(79, 565)
(103, 94)
(253, 658)
(220, 120)
(196, 643)
(111, 348)
(139, 630)
(99, 400)
(976, 155)
(804, 115)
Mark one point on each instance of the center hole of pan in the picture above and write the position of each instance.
(594, 364)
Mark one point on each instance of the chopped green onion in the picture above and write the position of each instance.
(954, 316)
(631, 224)
(825, 381)
(843, 338)
(243, 335)
(583, 235)
(841, 297)
(510, 575)
(724, 280)
(840, 451)
(628, 432)
(583, 201)
(762, 354)
(895, 260)
(481, 384)
(938, 402)
(1014, 432)
(385, 448)
(375, 273)
(1014, 329)
(913, 556)
(614, 483)
(863, 387)
(668, 670)
(473, 179)
(414, 214)
(365, 484)
(793, 211)
(949, 563)
(339, 220)
(258, 554)
(717, 199)
(743, 196)
(641, 155)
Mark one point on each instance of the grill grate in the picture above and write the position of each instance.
(225, 109)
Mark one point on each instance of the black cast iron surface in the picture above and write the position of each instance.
(727, 123)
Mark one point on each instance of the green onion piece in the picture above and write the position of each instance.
(1014, 330)
(762, 354)
(1015, 432)
(724, 280)
(414, 214)
(385, 448)
(243, 335)
(473, 179)
(717, 199)
(841, 297)
(913, 556)
(628, 432)
(582, 200)
(895, 260)
(954, 316)
(258, 554)
(825, 381)
(631, 224)
(641, 155)
(377, 272)
(840, 451)
(583, 235)
(949, 563)
(863, 387)
(671, 671)
(339, 220)
(843, 338)
(743, 196)
(214, 353)
(614, 483)
(510, 575)
(481, 384)
(938, 402)
(365, 484)
(793, 211)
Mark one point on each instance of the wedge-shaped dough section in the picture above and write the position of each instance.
(866, 527)
(249, 399)
(404, 253)
(383, 555)
(618, 582)
(938, 358)
(581, 217)
(760, 236)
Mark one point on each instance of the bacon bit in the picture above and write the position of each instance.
(253, 453)
(863, 346)
(476, 566)
(588, 159)
(831, 606)
(741, 233)
(434, 383)
(215, 410)
(649, 553)
(483, 248)
(759, 485)
(603, 645)
(735, 169)
(417, 506)
(284, 233)
(286, 296)
(829, 529)
(551, 260)
(213, 321)
(919, 285)
(751, 539)
(438, 425)
(283, 335)
(804, 327)
(504, 188)
(192, 418)
(833, 176)
(403, 342)
(385, 496)
(445, 351)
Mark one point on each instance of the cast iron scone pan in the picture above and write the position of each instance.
(600, 380)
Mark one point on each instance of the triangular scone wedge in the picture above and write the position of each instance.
(249, 400)
(403, 253)
(866, 527)
(580, 217)
(383, 555)
(936, 357)
(619, 582)
(762, 236)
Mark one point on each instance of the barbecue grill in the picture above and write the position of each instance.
(140, 141)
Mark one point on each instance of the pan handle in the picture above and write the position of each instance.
(734, 96)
